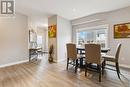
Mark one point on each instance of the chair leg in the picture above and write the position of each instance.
(76, 66)
(104, 63)
(103, 67)
(86, 69)
(81, 62)
(67, 63)
(37, 57)
(117, 69)
(100, 72)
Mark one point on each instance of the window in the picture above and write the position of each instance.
(98, 36)
(39, 41)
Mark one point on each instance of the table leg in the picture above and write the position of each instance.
(81, 62)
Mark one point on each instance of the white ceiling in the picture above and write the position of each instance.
(69, 9)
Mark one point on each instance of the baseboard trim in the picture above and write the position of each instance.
(61, 60)
(55, 61)
(11, 64)
(124, 66)
(121, 65)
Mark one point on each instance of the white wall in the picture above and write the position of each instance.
(64, 35)
(37, 21)
(13, 39)
(110, 18)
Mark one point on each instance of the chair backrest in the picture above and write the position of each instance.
(93, 53)
(118, 51)
(71, 51)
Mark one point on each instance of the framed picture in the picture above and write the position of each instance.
(122, 30)
(52, 31)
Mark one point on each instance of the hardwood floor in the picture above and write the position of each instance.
(43, 74)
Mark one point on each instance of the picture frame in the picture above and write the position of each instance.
(52, 31)
(122, 30)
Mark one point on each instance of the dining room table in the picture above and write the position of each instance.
(81, 51)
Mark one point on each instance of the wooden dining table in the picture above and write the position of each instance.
(81, 50)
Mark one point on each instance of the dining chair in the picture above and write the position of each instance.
(72, 55)
(93, 55)
(114, 59)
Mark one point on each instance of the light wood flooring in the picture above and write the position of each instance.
(43, 74)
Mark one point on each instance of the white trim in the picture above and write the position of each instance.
(85, 22)
(121, 65)
(15, 63)
(125, 66)
(105, 26)
(55, 61)
(61, 60)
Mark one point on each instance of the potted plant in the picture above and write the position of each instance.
(51, 52)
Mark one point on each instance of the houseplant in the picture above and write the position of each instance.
(51, 52)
